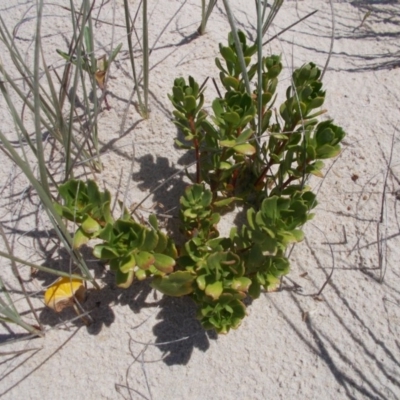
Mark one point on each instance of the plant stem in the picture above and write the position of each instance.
(259, 74)
(269, 164)
(238, 46)
(37, 106)
(145, 61)
(130, 47)
(203, 18)
(196, 147)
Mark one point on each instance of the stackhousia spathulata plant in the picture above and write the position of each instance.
(250, 154)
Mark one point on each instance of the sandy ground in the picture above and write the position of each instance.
(344, 344)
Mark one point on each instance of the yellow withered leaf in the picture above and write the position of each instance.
(100, 78)
(63, 292)
(100, 74)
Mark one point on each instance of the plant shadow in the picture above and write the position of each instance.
(354, 327)
(177, 330)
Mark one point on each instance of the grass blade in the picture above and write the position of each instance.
(11, 314)
(145, 61)
(238, 46)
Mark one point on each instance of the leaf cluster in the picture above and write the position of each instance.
(222, 271)
(131, 249)
(85, 205)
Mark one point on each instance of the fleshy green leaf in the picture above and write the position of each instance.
(124, 280)
(104, 252)
(164, 263)
(327, 151)
(153, 221)
(214, 290)
(228, 143)
(127, 263)
(225, 202)
(150, 240)
(177, 284)
(228, 54)
(178, 93)
(140, 274)
(231, 81)
(245, 148)
(231, 117)
(144, 259)
(161, 243)
(269, 208)
(325, 136)
(201, 282)
(89, 225)
(189, 103)
(244, 136)
(242, 284)
(80, 238)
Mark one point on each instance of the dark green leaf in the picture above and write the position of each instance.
(178, 93)
(150, 240)
(104, 252)
(162, 242)
(189, 104)
(255, 289)
(124, 280)
(270, 209)
(127, 263)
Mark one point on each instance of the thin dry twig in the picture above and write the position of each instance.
(289, 27)
(181, 170)
(129, 179)
(18, 352)
(15, 367)
(165, 343)
(40, 365)
(332, 40)
(20, 280)
(381, 239)
(144, 372)
(333, 264)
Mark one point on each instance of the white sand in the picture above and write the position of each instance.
(291, 346)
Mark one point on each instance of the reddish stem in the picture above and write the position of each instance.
(234, 178)
(269, 164)
(289, 180)
(106, 102)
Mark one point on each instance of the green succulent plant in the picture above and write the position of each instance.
(131, 249)
(250, 154)
(264, 174)
(85, 205)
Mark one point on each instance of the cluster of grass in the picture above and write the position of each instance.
(50, 96)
